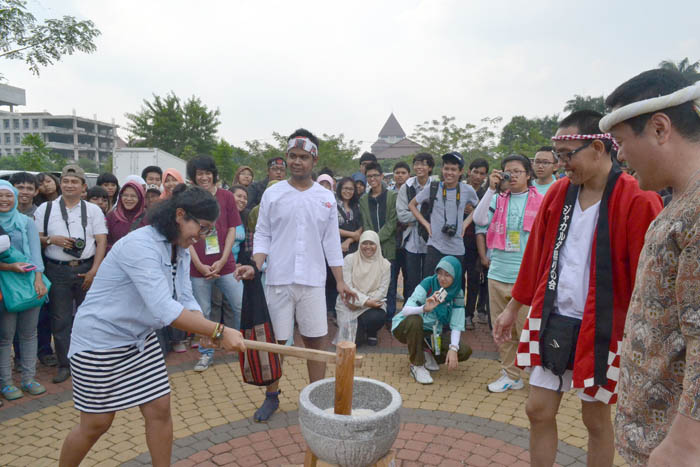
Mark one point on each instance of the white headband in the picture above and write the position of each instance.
(635, 109)
(303, 143)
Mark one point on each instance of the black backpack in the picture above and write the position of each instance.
(426, 208)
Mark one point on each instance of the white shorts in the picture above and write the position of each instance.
(543, 378)
(303, 303)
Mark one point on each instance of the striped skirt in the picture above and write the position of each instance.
(117, 379)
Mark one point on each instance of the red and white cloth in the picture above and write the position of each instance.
(607, 136)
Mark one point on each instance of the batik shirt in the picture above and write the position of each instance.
(660, 361)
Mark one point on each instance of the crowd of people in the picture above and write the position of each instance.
(587, 281)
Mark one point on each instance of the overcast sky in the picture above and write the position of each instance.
(343, 67)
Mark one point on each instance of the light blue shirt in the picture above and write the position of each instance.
(418, 298)
(506, 264)
(132, 294)
(34, 253)
(542, 189)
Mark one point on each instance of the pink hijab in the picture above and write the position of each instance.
(121, 213)
(176, 175)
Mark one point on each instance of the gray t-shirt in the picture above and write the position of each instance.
(454, 216)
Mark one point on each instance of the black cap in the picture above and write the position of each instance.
(454, 156)
(368, 157)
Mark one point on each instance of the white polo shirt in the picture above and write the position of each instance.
(298, 231)
(96, 225)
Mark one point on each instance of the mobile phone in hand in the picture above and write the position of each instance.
(28, 267)
(441, 295)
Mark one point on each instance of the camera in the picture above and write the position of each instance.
(78, 247)
(449, 230)
(506, 176)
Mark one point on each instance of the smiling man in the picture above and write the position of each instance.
(656, 122)
(27, 188)
(297, 233)
(74, 234)
(577, 275)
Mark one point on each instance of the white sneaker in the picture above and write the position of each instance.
(430, 362)
(203, 363)
(421, 375)
(504, 383)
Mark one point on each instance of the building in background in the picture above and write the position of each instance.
(71, 136)
(393, 143)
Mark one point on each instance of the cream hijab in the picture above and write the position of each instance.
(367, 272)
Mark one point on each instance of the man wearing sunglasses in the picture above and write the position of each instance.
(577, 275)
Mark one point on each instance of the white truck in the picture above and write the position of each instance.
(131, 161)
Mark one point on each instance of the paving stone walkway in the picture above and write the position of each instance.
(454, 421)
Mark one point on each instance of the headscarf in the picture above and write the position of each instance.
(326, 178)
(13, 219)
(124, 215)
(359, 177)
(453, 267)
(367, 272)
(136, 179)
(238, 172)
(176, 175)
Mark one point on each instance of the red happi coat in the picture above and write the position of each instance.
(630, 211)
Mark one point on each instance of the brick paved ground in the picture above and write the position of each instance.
(452, 422)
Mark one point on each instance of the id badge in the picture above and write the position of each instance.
(211, 244)
(513, 241)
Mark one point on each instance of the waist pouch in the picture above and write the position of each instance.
(558, 344)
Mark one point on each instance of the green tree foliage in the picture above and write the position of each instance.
(524, 136)
(88, 165)
(223, 156)
(444, 135)
(183, 129)
(38, 158)
(689, 70)
(41, 44)
(585, 103)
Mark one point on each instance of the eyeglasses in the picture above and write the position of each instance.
(566, 156)
(420, 164)
(203, 229)
(515, 172)
(542, 162)
(373, 176)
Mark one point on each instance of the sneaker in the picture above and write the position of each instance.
(421, 375)
(48, 359)
(33, 388)
(372, 341)
(504, 383)
(179, 347)
(62, 374)
(11, 392)
(482, 318)
(204, 362)
(469, 323)
(430, 362)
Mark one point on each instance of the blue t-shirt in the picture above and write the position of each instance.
(542, 189)
(506, 264)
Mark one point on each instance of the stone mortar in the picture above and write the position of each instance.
(344, 440)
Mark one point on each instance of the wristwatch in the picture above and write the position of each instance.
(454, 347)
(48, 240)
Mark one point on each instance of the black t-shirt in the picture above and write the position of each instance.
(351, 221)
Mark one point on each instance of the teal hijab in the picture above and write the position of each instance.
(453, 267)
(13, 219)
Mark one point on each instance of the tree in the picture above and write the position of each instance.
(88, 165)
(39, 158)
(524, 136)
(172, 126)
(442, 136)
(585, 103)
(689, 70)
(223, 156)
(41, 44)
